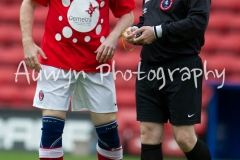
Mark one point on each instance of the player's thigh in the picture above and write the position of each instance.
(151, 132)
(54, 113)
(95, 95)
(102, 118)
(53, 93)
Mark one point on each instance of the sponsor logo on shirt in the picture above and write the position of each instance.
(91, 10)
(83, 16)
(85, 20)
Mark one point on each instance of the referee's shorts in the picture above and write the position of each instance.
(179, 99)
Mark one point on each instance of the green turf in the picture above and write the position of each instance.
(10, 155)
(34, 156)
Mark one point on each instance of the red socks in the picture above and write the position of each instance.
(60, 158)
(100, 157)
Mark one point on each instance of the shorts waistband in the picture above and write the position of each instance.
(170, 61)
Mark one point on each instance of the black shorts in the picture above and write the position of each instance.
(177, 98)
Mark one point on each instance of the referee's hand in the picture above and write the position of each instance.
(30, 55)
(128, 36)
(147, 36)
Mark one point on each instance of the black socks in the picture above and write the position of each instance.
(199, 152)
(151, 152)
(154, 152)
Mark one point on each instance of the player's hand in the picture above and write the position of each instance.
(105, 51)
(30, 54)
(128, 36)
(147, 36)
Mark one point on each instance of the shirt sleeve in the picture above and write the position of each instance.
(121, 7)
(141, 18)
(42, 2)
(192, 26)
(140, 23)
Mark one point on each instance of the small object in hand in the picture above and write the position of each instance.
(124, 45)
(139, 34)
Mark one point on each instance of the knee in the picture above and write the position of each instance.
(108, 141)
(185, 140)
(108, 137)
(151, 133)
(146, 130)
(181, 139)
(52, 129)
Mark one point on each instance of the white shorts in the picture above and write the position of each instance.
(86, 91)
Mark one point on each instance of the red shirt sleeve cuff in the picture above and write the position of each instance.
(42, 2)
(125, 11)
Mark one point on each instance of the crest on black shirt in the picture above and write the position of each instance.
(166, 4)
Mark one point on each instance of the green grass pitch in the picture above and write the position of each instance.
(9, 155)
(14, 155)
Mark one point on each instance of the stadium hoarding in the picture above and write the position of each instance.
(21, 130)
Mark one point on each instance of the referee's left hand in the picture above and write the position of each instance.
(128, 36)
(147, 36)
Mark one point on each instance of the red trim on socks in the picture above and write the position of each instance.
(60, 158)
(100, 157)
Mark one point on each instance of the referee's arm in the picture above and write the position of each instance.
(141, 22)
(192, 26)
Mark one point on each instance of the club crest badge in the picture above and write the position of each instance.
(166, 4)
(41, 95)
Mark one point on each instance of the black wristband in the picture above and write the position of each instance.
(155, 32)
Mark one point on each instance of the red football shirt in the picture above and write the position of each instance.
(76, 28)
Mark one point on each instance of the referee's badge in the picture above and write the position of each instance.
(166, 4)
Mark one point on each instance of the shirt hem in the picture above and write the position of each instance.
(78, 70)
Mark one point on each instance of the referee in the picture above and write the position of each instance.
(171, 33)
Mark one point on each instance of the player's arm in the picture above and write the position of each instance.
(128, 36)
(26, 23)
(121, 9)
(106, 51)
(192, 26)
